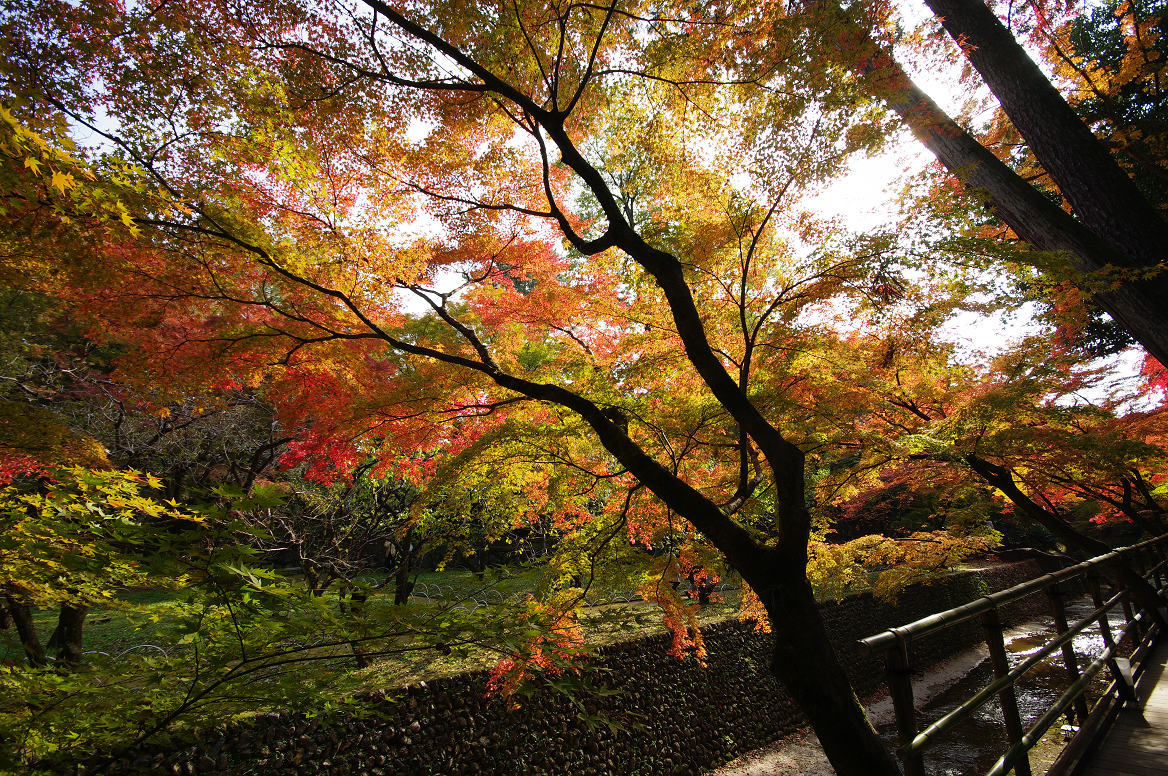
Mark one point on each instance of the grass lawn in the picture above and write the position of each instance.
(128, 625)
(110, 630)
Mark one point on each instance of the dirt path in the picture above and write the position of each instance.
(799, 753)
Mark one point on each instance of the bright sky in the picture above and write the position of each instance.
(866, 198)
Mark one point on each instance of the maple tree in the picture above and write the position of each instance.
(551, 253)
(1021, 424)
(265, 190)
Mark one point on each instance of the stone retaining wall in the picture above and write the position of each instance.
(666, 717)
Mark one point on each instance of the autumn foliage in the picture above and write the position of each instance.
(561, 265)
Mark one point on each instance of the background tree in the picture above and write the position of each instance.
(1116, 231)
(337, 533)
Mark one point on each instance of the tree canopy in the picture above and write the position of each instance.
(561, 256)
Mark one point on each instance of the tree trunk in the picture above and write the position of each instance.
(67, 638)
(357, 599)
(1100, 192)
(1093, 245)
(402, 586)
(1152, 510)
(805, 663)
(1102, 195)
(1149, 523)
(26, 630)
(313, 579)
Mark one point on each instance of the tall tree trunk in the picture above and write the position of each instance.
(805, 663)
(26, 630)
(1101, 240)
(1100, 192)
(1102, 195)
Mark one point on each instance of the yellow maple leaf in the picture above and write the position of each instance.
(62, 180)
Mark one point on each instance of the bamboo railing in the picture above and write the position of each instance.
(1147, 558)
